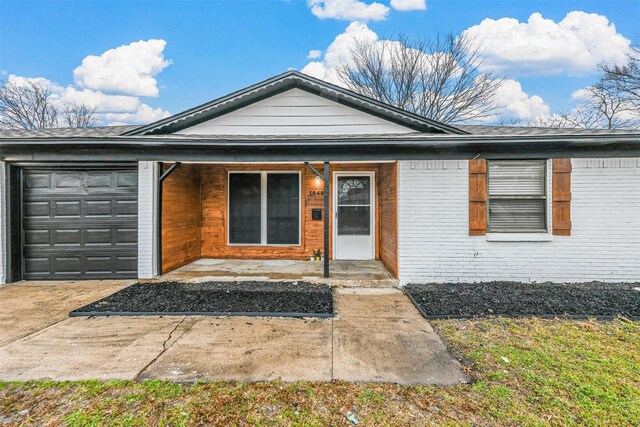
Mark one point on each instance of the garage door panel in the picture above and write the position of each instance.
(38, 181)
(38, 266)
(79, 224)
(67, 209)
(100, 180)
(68, 237)
(99, 208)
(126, 236)
(99, 236)
(37, 237)
(69, 181)
(127, 180)
(37, 209)
(127, 208)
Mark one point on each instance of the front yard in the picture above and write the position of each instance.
(526, 372)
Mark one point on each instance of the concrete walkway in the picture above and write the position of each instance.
(376, 336)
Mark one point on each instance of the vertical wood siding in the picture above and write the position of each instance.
(214, 212)
(388, 205)
(181, 210)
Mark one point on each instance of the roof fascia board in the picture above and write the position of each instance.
(436, 148)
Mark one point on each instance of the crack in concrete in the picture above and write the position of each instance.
(164, 347)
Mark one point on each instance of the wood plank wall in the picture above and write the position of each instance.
(388, 218)
(214, 212)
(181, 211)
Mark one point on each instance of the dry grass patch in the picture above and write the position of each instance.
(526, 371)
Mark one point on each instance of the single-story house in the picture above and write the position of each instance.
(294, 164)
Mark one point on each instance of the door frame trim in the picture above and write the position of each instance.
(372, 203)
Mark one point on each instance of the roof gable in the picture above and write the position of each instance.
(193, 120)
(296, 112)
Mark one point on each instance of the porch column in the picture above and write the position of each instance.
(147, 219)
(326, 219)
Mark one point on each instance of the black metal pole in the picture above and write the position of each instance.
(326, 219)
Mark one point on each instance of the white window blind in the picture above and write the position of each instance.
(517, 195)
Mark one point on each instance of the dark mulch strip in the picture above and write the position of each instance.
(297, 299)
(577, 300)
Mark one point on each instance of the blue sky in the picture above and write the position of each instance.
(210, 48)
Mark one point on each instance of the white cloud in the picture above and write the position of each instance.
(314, 54)
(40, 81)
(351, 10)
(573, 46)
(144, 114)
(100, 101)
(339, 52)
(112, 83)
(409, 4)
(128, 69)
(515, 104)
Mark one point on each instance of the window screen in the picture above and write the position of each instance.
(283, 208)
(517, 195)
(244, 208)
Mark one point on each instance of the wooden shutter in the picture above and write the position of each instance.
(477, 197)
(561, 197)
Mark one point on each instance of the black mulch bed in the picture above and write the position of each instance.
(294, 299)
(575, 300)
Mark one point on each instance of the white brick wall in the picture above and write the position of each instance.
(3, 224)
(434, 242)
(147, 207)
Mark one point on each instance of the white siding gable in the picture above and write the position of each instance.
(295, 112)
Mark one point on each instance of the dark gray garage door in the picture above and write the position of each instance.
(79, 224)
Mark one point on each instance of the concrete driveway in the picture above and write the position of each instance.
(376, 336)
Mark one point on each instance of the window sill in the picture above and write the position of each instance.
(519, 237)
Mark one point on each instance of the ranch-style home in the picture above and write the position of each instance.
(293, 165)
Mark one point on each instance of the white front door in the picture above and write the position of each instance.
(354, 204)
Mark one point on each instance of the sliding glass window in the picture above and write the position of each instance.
(264, 208)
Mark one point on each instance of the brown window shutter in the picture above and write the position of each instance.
(477, 197)
(561, 197)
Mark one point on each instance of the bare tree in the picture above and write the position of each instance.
(438, 78)
(598, 107)
(610, 108)
(26, 106)
(625, 79)
(31, 106)
(79, 116)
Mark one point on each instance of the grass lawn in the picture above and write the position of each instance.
(526, 372)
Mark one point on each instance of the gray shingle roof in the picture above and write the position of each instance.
(91, 132)
(532, 131)
(481, 130)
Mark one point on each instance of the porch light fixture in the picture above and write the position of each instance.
(318, 179)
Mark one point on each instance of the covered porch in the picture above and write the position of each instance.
(267, 220)
(349, 273)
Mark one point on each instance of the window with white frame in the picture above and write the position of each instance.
(264, 208)
(517, 193)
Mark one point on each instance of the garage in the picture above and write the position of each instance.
(79, 223)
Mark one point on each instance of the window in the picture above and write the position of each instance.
(264, 208)
(517, 196)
